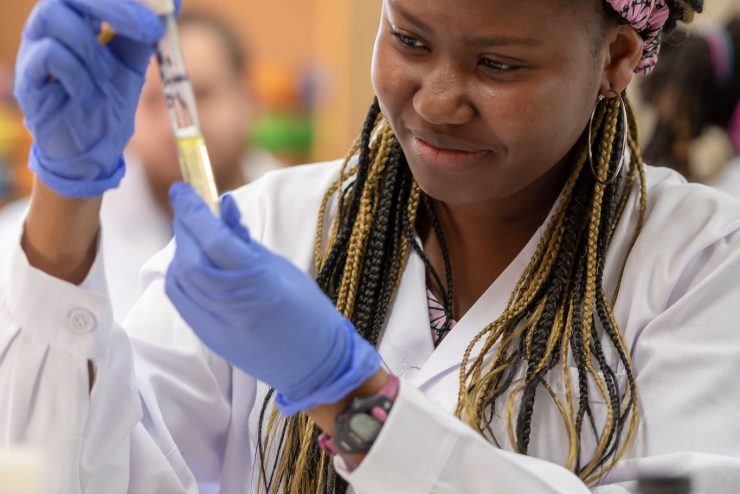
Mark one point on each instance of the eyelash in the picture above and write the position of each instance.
(407, 41)
(497, 66)
(412, 43)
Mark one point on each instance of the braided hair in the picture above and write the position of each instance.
(558, 316)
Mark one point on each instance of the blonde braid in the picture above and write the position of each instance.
(478, 380)
(293, 473)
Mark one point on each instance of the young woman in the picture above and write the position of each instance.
(561, 317)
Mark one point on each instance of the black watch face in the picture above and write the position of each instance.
(365, 427)
(357, 428)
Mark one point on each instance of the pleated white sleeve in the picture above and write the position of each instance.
(156, 426)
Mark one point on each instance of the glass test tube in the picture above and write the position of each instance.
(191, 147)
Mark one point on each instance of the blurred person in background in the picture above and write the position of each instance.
(136, 217)
(696, 87)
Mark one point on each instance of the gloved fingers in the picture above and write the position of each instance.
(46, 62)
(213, 298)
(231, 215)
(137, 29)
(199, 297)
(217, 241)
(58, 21)
(202, 322)
(221, 287)
(42, 103)
(133, 55)
(129, 18)
(235, 294)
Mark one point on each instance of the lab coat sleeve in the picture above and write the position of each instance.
(424, 449)
(123, 435)
(687, 362)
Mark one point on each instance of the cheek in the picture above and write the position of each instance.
(546, 117)
(393, 81)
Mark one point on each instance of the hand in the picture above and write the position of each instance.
(260, 312)
(78, 95)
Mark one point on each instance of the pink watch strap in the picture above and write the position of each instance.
(389, 391)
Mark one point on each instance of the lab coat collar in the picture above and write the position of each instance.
(407, 348)
(449, 354)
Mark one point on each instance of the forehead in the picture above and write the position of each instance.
(544, 20)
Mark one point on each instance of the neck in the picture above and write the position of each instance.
(483, 239)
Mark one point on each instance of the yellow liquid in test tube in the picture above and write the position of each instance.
(196, 166)
(192, 153)
(181, 105)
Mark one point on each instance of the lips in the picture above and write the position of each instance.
(447, 143)
(446, 153)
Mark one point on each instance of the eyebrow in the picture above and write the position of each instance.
(482, 41)
(410, 17)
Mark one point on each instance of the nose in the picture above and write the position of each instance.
(442, 98)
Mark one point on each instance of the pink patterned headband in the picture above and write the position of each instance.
(647, 17)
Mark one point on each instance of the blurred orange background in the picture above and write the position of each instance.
(332, 38)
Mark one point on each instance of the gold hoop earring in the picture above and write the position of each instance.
(624, 140)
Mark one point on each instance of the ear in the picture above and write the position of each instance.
(623, 53)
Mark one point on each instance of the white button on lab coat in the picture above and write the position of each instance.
(167, 416)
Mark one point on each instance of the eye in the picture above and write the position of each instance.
(497, 66)
(407, 41)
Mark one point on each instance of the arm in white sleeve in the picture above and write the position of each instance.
(121, 437)
(424, 449)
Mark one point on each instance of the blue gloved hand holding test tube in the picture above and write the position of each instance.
(78, 95)
(249, 305)
(259, 311)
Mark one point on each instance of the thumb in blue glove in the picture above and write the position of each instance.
(260, 312)
(78, 95)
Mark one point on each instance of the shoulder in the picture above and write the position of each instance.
(687, 248)
(302, 185)
(680, 210)
(728, 180)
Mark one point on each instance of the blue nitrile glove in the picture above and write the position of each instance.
(78, 95)
(260, 312)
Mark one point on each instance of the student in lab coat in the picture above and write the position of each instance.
(589, 304)
(136, 216)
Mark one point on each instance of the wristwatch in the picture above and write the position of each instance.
(358, 425)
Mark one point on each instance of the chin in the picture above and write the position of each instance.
(470, 185)
(456, 190)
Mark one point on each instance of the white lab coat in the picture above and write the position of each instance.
(728, 180)
(136, 227)
(167, 416)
